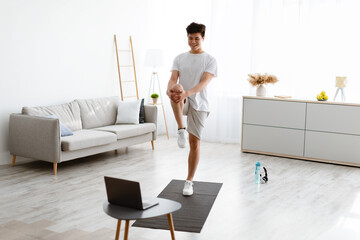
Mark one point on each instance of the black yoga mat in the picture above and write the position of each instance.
(194, 211)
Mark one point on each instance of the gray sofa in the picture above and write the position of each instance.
(92, 121)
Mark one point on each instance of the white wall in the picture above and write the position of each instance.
(56, 51)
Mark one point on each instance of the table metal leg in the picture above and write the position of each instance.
(171, 226)
(118, 230)
(126, 229)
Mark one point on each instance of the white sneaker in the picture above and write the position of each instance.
(188, 188)
(182, 135)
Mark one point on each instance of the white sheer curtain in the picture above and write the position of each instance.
(231, 44)
(305, 43)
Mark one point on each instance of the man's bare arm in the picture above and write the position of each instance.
(204, 81)
(173, 80)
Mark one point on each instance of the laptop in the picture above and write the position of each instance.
(127, 194)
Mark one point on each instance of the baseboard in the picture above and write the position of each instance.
(6, 159)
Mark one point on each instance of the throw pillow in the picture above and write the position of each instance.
(64, 130)
(142, 112)
(128, 112)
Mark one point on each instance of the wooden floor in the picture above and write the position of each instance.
(302, 200)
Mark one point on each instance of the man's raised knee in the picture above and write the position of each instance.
(177, 88)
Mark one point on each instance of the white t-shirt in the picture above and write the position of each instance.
(191, 68)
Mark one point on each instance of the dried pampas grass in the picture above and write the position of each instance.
(258, 79)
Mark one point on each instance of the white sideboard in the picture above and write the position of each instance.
(310, 130)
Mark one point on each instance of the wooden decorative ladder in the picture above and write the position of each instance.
(121, 82)
(131, 50)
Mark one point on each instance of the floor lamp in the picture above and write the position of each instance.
(154, 59)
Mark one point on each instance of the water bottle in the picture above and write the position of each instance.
(257, 172)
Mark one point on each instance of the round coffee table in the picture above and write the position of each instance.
(165, 207)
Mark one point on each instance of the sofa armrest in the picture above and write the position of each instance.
(151, 113)
(35, 137)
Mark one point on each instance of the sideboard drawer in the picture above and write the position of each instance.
(274, 113)
(332, 146)
(273, 140)
(333, 118)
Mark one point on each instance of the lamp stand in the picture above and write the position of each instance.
(155, 80)
(342, 94)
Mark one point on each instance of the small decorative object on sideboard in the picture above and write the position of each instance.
(154, 97)
(340, 84)
(259, 80)
(322, 96)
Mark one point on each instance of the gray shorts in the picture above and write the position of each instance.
(195, 119)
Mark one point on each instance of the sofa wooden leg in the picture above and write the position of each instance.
(55, 168)
(13, 160)
(152, 144)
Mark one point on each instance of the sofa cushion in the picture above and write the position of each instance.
(98, 112)
(128, 112)
(129, 130)
(85, 139)
(68, 113)
(142, 111)
(64, 130)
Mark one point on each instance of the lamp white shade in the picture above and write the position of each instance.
(341, 82)
(154, 58)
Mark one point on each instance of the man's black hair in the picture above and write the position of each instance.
(196, 28)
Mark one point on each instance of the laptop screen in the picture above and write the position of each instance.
(123, 192)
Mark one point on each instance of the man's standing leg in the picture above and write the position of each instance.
(193, 162)
(196, 122)
(194, 156)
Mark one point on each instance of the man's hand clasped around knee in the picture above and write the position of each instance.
(177, 93)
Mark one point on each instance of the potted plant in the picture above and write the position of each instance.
(154, 97)
(258, 80)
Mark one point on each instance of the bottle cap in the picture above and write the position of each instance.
(258, 164)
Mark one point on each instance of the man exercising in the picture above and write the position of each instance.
(187, 90)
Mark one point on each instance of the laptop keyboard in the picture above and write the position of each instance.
(146, 204)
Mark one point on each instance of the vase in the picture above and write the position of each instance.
(155, 100)
(261, 91)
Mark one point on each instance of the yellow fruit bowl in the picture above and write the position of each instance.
(322, 96)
